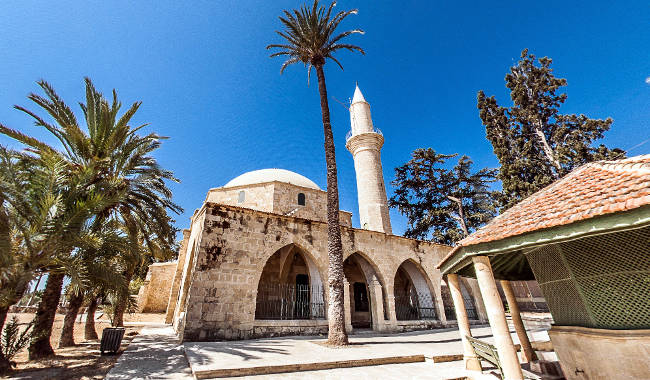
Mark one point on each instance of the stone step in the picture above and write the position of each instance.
(284, 368)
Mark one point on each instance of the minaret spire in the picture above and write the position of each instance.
(358, 96)
(365, 142)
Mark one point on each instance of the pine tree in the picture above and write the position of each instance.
(533, 141)
(443, 205)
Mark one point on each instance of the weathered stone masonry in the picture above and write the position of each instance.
(235, 245)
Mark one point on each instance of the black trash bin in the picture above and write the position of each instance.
(111, 339)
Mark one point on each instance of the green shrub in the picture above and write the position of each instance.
(13, 340)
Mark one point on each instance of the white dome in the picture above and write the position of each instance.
(270, 175)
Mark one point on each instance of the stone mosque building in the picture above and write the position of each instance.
(254, 261)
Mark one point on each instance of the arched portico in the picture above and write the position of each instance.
(290, 286)
(414, 296)
(367, 295)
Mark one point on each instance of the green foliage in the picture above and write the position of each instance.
(13, 339)
(37, 294)
(135, 285)
(112, 302)
(95, 209)
(442, 204)
(533, 141)
(311, 37)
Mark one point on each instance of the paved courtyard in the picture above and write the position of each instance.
(156, 354)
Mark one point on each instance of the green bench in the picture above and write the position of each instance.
(486, 351)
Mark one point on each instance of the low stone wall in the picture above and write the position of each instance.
(588, 353)
(268, 328)
(404, 326)
(153, 296)
(29, 309)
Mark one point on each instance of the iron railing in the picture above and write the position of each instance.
(450, 312)
(414, 306)
(375, 130)
(470, 308)
(288, 301)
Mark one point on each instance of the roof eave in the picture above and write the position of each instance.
(625, 220)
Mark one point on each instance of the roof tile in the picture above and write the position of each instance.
(594, 189)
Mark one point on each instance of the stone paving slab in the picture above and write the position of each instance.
(262, 355)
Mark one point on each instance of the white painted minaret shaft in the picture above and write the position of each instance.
(365, 144)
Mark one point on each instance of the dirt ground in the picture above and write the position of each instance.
(83, 361)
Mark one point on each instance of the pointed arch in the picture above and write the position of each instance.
(363, 276)
(290, 286)
(468, 300)
(413, 291)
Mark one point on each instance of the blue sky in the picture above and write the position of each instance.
(205, 79)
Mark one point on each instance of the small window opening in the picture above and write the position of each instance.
(242, 197)
(301, 199)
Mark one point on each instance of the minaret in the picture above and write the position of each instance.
(364, 142)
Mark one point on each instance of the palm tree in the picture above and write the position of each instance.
(43, 203)
(122, 168)
(311, 39)
(101, 269)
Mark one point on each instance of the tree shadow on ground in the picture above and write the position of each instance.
(244, 349)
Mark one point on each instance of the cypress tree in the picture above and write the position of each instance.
(441, 204)
(534, 142)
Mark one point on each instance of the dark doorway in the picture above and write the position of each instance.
(361, 305)
(360, 297)
(302, 297)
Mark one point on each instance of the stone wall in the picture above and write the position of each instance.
(278, 198)
(178, 275)
(258, 197)
(153, 296)
(233, 245)
(588, 353)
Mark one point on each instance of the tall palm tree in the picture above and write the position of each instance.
(122, 168)
(312, 39)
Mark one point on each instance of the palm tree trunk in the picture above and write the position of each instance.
(336, 315)
(39, 346)
(89, 329)
(5, 364)
(67, 333)
(118, 319)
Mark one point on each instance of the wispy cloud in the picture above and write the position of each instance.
(647, 80)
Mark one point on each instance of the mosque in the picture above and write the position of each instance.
(254, 261)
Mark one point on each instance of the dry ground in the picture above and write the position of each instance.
(82, 361)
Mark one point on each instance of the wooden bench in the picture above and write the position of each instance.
(486, 351)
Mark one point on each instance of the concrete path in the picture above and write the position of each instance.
(259, 354)
(154, 354)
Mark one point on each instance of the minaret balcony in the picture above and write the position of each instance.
(349, 135)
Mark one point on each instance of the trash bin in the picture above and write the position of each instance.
(111, 339)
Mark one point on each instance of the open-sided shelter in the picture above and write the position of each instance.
(586, 240)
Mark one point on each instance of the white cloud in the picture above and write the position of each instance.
(647, 80)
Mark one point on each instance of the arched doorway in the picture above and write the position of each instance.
(448, 303)
(413, 297)
(360, 273)
(290, 287)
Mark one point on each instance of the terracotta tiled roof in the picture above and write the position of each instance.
(594, 189)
